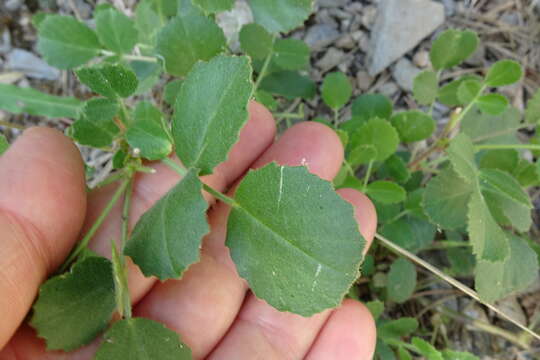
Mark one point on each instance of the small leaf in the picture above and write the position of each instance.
(289, 84)
(147, 22)
(426, 85)
(256, 41)
(376, 308)
(413, 125)
(401, 280)
(214, 6)
(142, 339)
(292, 265)
(171, 91)
(532, 114)
(96, 126)
(489, 129)
(4, 145)
(27, 100)
(410, 233)
(369, 106)
(495, 280)
(453, 47)
(65, 42)
(116, 31)
(291, 54)
(492, 104)
(454, 355)
(504, 72)
(281, 15)
(448, 94)
(383, 351)
(505, 160)
(188, 39)
(167, 238)
(461, 154)
(378, 134)
(404, 354)
(147, 132)
(336, 90)
(396, 329)
(73, 308)
(38, 18)
(211, 110)
(109, 80)
(386, 192)
(527, 174)
(397, 169)
(266, 99)
(468, 91)
(426, 349)
(148, 75)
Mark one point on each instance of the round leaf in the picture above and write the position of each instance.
(492, 104)
(116, 31)
(386, 192)
(256, 41)
(369, 106)
(448, 94)
(148, 134)
(468, 91)
(291, 54)
(214, 6)
(452, 47)
(377, 134)
(401, 280)
(413, 125)
(109, 80)
(504, 72)
(336, 90)
(281, 15)
(426, 85)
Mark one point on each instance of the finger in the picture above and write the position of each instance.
(260, 330)
(349, 333)
(204, 303)
(42, 209)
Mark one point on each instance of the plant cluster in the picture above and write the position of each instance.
(466, 187)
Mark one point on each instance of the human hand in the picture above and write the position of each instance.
(44, 206)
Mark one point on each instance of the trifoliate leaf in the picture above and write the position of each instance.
(256, 41)
(413, 125)
(426, 85)
(532, 114)
(26, 100)
(292, 265)
(167, 239)
(65, 42)
(289, 84)
(73, 308)
(453, 47)
(410, 233)
(171, 91)
(4, 145)
(461, 155)
(116, 31)
(378, 134)
(401, 280)
(492, 104)
(386, 192)
(448, 94)
(336, 90)
(369, 106)
(188, 39)
(291, 54)
(505, 160)
(468, 91)
(489, 241)
(210, 111)
(495, 280)
(96, 126)
(281, 15)
(489, 129)
(426, 349)
(109, 80)
(504, 72)
(396, 329)
(148, 134)
(142, 339)
(214, 6)
(445, 198)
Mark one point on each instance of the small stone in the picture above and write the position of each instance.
(13, 5)
(362, 39)
(421, 59)
(232, 21)
(449, 7)
(511, 18)
(320, 36)
(331, 59)
(28, 63)
(364, 80)
(404, 73)
(389, 89)
(355, 7)
(369, 14)
(331, 3)
(5, 42)
(346, 42)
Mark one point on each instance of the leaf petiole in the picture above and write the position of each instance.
(131, 57)
(264, 68)
(507, 147)
(367, 176)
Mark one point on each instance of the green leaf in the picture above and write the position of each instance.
(256, 41)
(291, 54)
(448, 94)
(425, 88)
(147, 132)
(377, 134)
(401, 280)
(4, 145)
(214, 6)
(383, 351)
(532, 114)
(148, 75)
(455, 355)
(504, 72)
(376, 308)
(369, 106)
(461, 259)
(116, 31)
(211, 110)
(492, 104)
(461, 155)
(413, 125)
(404, 354)
(96, 126)
(410, 233)
(171, 91)
(396, 329)
(489, 241)
(495, 280)
(109, 80)
(281, 15)
(453, 47)
(505, 160)
(445, 197)
(26, 100)
(468, 91)
(188, 39)
(292, 265)
(289, 84)
(397, 169)
(266, 99)
(65, 42)
(167, 238)
(527, 174)
(489, 129)
(142, 339)
(336, 90)
(509, 204)
(386, 192)
(426, 349)
(147, 22)
(38, 18)
(73, 308)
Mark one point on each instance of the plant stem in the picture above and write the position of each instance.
(462, 287)
(86, 239)
(11, 125)
(264, 68)
(109, 180)
(367, 176)
(124, 298)
(131, 57)
(289, 116)
(182, 171)
(507, 146)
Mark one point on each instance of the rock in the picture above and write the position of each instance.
(5, 42)
(449, 7)
(28, 63)
(331, 59)
(232, 21)
(364, 80)
(389, 89)
(369, 14)
(421, 59)
(346, 42)
(404, 73)
(13, 5)
(331, 3)
(320, 36)
(362, 39)
(400, 26)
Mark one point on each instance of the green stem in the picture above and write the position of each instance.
(350, 169)
(124, 298)
(507, 146)
(367, 176)
(264, 68)
(182, 171)
(289, 116)
(131, 57)
(97, 224)
(110, 179)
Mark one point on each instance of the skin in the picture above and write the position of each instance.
(211, 306)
